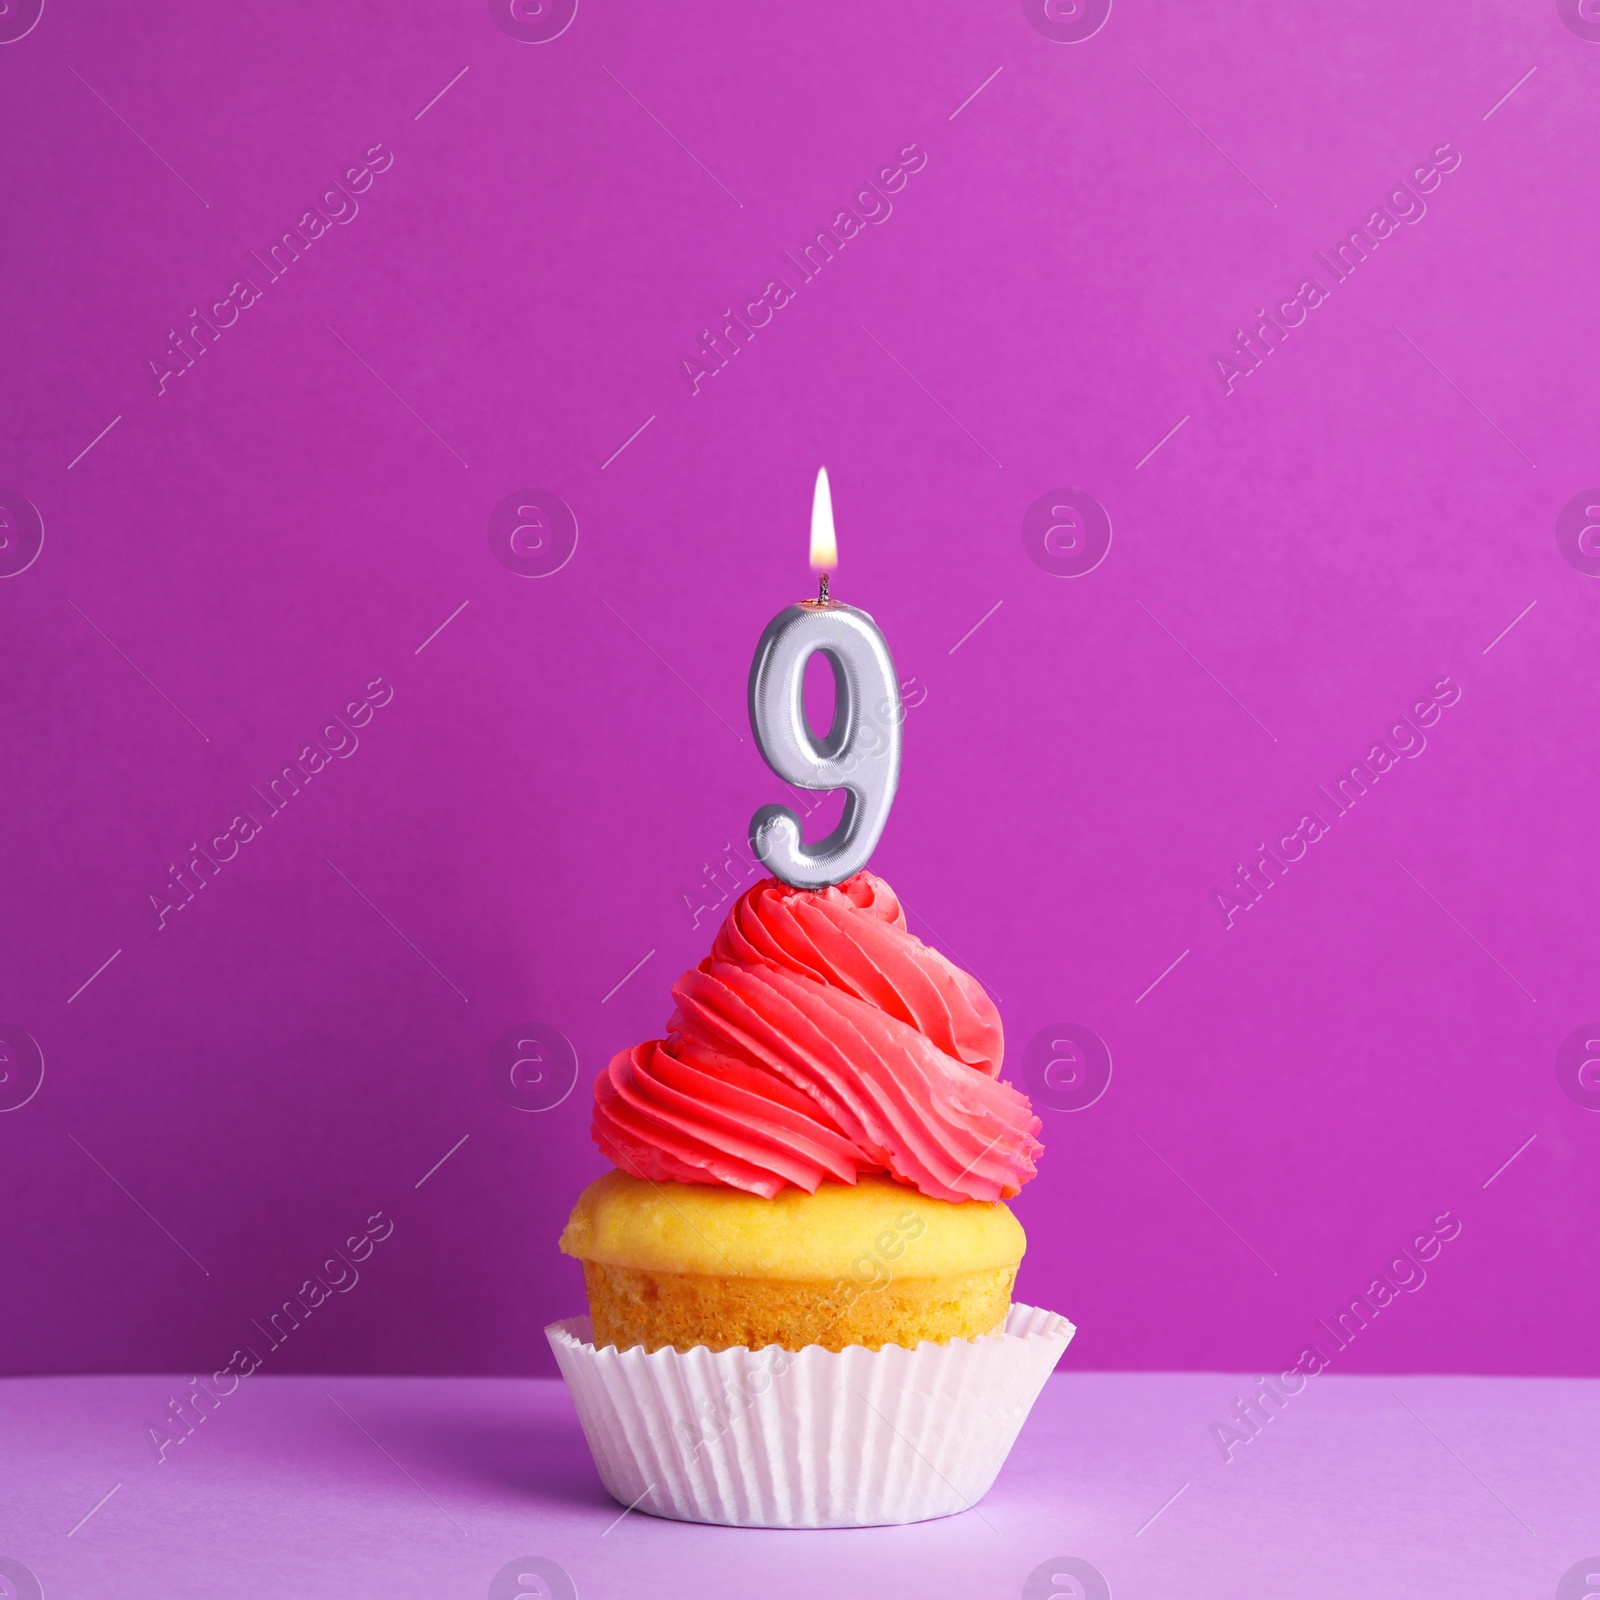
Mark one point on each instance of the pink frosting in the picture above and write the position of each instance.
(819, 1040)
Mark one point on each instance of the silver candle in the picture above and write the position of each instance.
(860, 752)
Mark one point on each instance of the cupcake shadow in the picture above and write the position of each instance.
(530, 1452)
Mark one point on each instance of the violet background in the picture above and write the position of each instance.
(239, 1090)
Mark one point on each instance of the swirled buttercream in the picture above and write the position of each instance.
(818, 1040)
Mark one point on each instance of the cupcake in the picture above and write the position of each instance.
(811, 1171)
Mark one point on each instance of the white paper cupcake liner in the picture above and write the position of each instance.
(812, 1438)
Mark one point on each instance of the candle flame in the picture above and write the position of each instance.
(824, 546)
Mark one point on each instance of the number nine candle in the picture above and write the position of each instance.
(859, 754)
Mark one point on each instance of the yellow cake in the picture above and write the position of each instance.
(869, 1263)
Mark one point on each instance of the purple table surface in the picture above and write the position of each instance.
(1408, 1486)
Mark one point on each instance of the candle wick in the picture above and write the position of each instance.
(822, 590)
